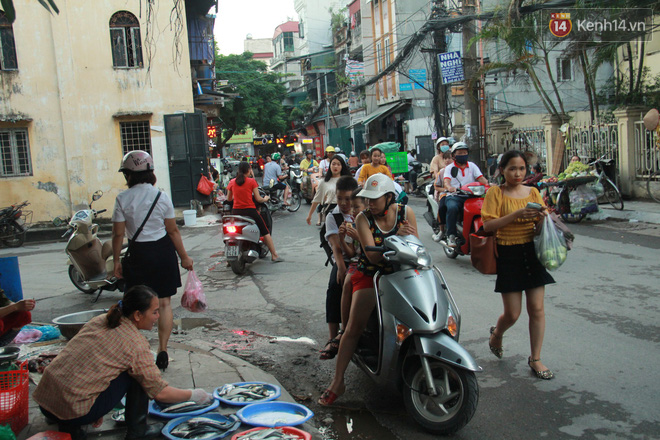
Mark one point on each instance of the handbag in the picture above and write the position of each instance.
(205, 186)
(483, 251)
(127, 262)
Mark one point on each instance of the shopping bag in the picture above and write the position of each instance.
(483, 252)
(583, 200)
(205, 186)
(193, 298)
(550, 245)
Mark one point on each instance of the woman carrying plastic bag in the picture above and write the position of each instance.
(550, 245)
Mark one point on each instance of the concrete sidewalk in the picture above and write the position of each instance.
(635, 210)
(195, 364)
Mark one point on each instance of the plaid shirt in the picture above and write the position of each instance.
(96, 356)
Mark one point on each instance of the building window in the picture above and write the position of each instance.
(135, 135)
(564, 71)
(288, 41)
(15, 151)
(125, 40)
(387, 52)
(8, 60)
(378, 57)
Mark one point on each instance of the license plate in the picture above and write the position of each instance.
(231, 251)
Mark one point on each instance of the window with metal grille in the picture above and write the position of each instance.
(15, 153)
(8, 60)
(135, 135)
(564, 71)
(125, 40)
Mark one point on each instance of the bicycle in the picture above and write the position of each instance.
(610, 190)
(560, 202)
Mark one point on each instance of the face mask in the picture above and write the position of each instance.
(461, 159)
(444, 148)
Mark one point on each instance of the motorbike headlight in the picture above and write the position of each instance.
(478, 190)
(402, 333)
(423, 257)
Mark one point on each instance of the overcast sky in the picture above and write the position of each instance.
(237, 18)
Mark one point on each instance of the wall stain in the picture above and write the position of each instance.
(48, 186)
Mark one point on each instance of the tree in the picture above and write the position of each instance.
(260, 96)
(7, 6)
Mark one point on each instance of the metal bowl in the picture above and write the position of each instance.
(71, 324)
(9, 354)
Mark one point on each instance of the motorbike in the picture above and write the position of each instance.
(91, 266)
(431, 214)
(420, 176)
(295, 181)
(411, 342)
(14, 223)
(470, 221)
(243, 243)
(309, 184)
(276, 198)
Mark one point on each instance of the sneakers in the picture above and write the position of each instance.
(451, 241)
(437, 237)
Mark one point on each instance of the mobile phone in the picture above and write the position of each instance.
(532, 205)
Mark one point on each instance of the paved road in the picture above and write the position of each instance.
(601, 340)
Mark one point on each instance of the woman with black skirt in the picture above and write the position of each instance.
(154, 252)
(506, 211)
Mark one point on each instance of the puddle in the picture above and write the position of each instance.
(358, 424)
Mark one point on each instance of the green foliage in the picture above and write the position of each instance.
(7, 7)
(338, 19)
(259, 104)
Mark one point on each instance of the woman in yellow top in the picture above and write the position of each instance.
(374, 167)
(518, 269)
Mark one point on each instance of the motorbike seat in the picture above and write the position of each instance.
(5, 211)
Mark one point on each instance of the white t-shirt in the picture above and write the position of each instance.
(324, 165)
(326, 193)
(469, 174)
(132, 206)
(357, 173)
(331, 228)
(411, 159)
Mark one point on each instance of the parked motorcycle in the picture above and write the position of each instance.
(411, 340)
(91, 266)
(431, 214)
(14, 223)
(421, 176)
(243, 243)
(295, 182)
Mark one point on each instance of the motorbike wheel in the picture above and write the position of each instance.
(452, 408)
(13, 236)
(450, 253)
(294, 202)
(77, 280)
(238, 266)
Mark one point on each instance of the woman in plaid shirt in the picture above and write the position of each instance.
(108, 358)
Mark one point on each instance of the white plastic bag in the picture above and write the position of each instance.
(193, 298)
(550, 245)
(583, 200)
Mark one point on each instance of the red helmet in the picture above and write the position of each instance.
(137, 161)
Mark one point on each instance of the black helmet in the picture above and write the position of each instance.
(309, 152)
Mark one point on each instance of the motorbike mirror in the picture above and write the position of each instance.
(57, 221)
(454, 172)
(97, 195)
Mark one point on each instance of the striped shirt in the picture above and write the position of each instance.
(90, 361)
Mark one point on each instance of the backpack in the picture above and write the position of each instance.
(325, 244)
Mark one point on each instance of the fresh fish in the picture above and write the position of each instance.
(183, 407)
(203, 427)
(268, 434)
(245, 393)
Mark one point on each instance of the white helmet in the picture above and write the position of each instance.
(459, 146)
(136, 161)
(440, 140)
(377, 186)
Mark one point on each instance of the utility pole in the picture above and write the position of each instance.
(440, 113)
(471, 115)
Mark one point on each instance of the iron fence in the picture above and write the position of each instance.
(527, 139)
(647, 151)
(592, 141)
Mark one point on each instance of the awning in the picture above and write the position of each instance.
(384, 111)
(356, 121)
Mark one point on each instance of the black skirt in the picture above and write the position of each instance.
(518, 269)
(155, 264)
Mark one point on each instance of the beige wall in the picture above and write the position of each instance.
(68, 89)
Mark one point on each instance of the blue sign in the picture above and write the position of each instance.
(451, 67)
(405, 87)
(417, 76)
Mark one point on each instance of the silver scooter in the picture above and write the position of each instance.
(243, 242)
(91, 267)
(411, 340)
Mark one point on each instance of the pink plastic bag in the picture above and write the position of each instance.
(193, 298)
(26, 336)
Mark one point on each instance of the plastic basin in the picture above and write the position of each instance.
(71, 324)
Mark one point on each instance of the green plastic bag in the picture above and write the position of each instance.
(387, 147)
(6, 433)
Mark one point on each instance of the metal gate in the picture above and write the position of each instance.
(188, 156)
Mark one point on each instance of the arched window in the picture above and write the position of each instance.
(125, 40)
(8, 60)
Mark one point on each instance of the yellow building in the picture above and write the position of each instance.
(77, 91)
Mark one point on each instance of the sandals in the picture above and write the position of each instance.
(497, 351)
(545, 374)
(330, 350)
(327, 398)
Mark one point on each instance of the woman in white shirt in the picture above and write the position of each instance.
(154, 252)
(326, 195)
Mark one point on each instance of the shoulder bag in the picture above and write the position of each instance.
(483, 251)
(127, 262)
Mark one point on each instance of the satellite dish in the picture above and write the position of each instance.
(651, 119)
(248, 37)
